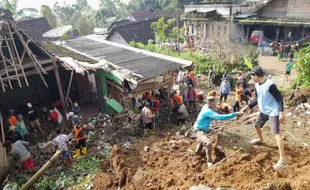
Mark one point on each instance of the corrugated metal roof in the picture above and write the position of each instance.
(147, 64)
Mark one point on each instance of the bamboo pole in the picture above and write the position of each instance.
(60, 91)
(69, 86)
(17, 55)
(11, 55)
(39, 173)
(3, 139)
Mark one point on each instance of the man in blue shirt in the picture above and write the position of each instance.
(202, 125)
(270, 103)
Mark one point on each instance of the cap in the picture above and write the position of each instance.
(257, 70)
(211, 99)
(20, 116)
(29, 105)
(12, 128)
(75, 118)
(75, 104)
(11, 111)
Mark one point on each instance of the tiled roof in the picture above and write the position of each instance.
(142, 15)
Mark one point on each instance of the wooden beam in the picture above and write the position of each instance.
(24, 52)
(61, 93)
(69, 85)
(12, 57)
(6, 69)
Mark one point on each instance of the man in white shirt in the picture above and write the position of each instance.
(62, 142)
(180, 75)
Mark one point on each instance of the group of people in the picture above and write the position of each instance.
(16, 141)
(286, 52)
(270, 103)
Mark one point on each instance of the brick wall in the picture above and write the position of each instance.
(287, 8)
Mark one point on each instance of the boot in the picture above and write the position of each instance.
(84, 150)
(77, 153)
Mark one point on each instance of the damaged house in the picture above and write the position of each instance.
(122, 72)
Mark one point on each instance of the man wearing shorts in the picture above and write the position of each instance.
(19, 151)
(270, 103)
(62, 142)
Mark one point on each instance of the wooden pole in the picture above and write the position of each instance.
(69, 85)
(61, 93)
(39, 173)
(3, 139)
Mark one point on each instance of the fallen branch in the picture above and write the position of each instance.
(218, 163)
(39, 173)
(303, 143)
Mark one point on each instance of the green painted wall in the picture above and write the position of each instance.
(103, 75)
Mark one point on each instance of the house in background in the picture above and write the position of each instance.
(136, 31)
(287, 20)
(123, 72)
(140, 16)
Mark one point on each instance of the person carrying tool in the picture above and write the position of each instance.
(270, 103)
(62, 142)
(80, 132)
(202, 125)
(19, 150)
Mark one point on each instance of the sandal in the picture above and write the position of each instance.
(256, 142)
(280, 165)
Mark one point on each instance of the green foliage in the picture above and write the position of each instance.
(159, 29)
(252, 55)
(75, 174)
(302, 65)
(21, 14)
(64, 37)
(86, 24)
(47, 12)
(248, 63)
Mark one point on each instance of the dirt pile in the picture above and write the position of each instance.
(170, 164)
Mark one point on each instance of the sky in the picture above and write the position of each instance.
(37, 4)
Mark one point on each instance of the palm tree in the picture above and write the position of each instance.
(22, 14)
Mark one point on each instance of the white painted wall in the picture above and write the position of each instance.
(222, 9)
(117, 38)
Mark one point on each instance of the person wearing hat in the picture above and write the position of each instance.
(76, 109)
(224, 90)
(13, 135)
(19, 150)
(33, 118)
(12, 119)
(202, 125)
(21, 128)
(79, 132)
(270, 103)
(148, 116)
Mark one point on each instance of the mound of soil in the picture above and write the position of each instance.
(170, 164)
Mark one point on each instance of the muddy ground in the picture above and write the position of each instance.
(170, 164)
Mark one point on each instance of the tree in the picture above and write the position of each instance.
(86, 25)
(67, 14)
(159, 29)
(22, 14)
(47, 12)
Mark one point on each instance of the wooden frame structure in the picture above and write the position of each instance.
(17, 59)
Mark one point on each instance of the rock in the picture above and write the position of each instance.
(289, 114)
(146, 149)
(127, 145)
(140, 175)
(299, 123)
(47, 147)
(200, 187)
(90, 125)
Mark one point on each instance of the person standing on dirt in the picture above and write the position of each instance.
(180, 76)
(191, 75)
(33, 118)
(226, 76)
(62, 142)
(238, 97)
(19, 150)
(202, 125)
(211, 76)
(80, 132)
(12, 119)
(21, 128)
(270, 103)
(176, 101)
(183, 92)
(224, 90)
(148, 117)
(191, 97)
(156, 102)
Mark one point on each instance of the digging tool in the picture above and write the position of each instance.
(169, 114)
(220, 162)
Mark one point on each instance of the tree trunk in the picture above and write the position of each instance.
(39, 173)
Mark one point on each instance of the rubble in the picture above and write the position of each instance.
(47, 147)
